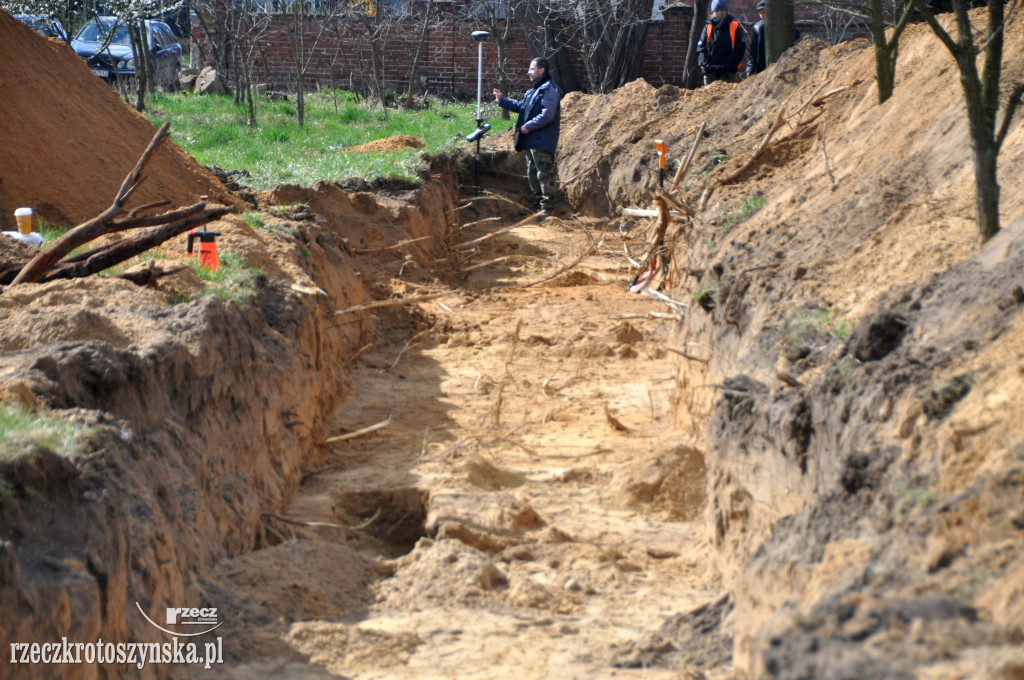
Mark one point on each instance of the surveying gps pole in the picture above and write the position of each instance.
(481, 127)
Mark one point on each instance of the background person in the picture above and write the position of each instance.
(538, 124)
(756, 61)
(721, 46)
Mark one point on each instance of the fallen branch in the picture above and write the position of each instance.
(484, 221)
(149, 273)
(96, 227)
(681, 172)
(321, 523)
(648, 315)
(497, 260)
(613, 421)
(821, 100)
(359, 433)
(801, 127)
(779, 120)
(651, 212)
(673, 304)
(683, 353)
(525, 220)
(587, 253)
(394, 302)
(394, 247)
(98, 259)
(824, 153)
(673, 202)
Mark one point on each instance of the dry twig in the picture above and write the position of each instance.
(393, 302)
(779, 120)
(681, 172)
(359, 433)
(824, 153)
(613, 421)
(400, 244)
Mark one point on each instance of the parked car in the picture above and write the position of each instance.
(48, 26)
(105, 45)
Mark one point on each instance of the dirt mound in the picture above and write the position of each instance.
(389, 144)
(69, 140)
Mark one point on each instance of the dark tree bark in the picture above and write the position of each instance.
(886, 49)
(690, 68)
(779, 28)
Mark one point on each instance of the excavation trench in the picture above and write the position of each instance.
(525, 505)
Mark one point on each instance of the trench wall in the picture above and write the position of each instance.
(201, 425)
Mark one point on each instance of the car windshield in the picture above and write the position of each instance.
(97, 32)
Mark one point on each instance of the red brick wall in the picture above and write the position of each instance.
(665, 52)
(449, 63)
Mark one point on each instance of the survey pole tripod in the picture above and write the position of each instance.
(481, 127)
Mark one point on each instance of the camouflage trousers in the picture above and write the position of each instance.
(542, 173)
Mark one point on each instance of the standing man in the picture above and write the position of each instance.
(537, 127)
(756, 61)
(721, 46)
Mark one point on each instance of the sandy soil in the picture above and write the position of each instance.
(531, 428)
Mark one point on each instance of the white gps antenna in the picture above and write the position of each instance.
(479, 37)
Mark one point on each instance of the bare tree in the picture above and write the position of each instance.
(981, 94)
(134, 14)
(362, 21)
(421, 43)
(839, 24)
(886, 48)
(611, 35)
(297, 13)
(700, 16)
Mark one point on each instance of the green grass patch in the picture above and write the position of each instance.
(804, 322)
(742, 210)
(232, 280)
(22, 430)
(254, 220)
(214, 131)
(50, 233)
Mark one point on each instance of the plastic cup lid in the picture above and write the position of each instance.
(22, 212)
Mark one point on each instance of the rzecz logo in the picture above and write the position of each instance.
(187, 616)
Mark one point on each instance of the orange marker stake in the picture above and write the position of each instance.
(659, 146)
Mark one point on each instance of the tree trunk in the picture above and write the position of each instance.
(692, 72)
(885, 65)
(779, 28)
(981, 95)
(139, 51)
(981, 123)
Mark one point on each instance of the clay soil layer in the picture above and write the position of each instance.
(433, 437)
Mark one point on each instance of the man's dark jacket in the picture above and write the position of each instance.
(723, 52)
(756, 61)
(540, 111)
